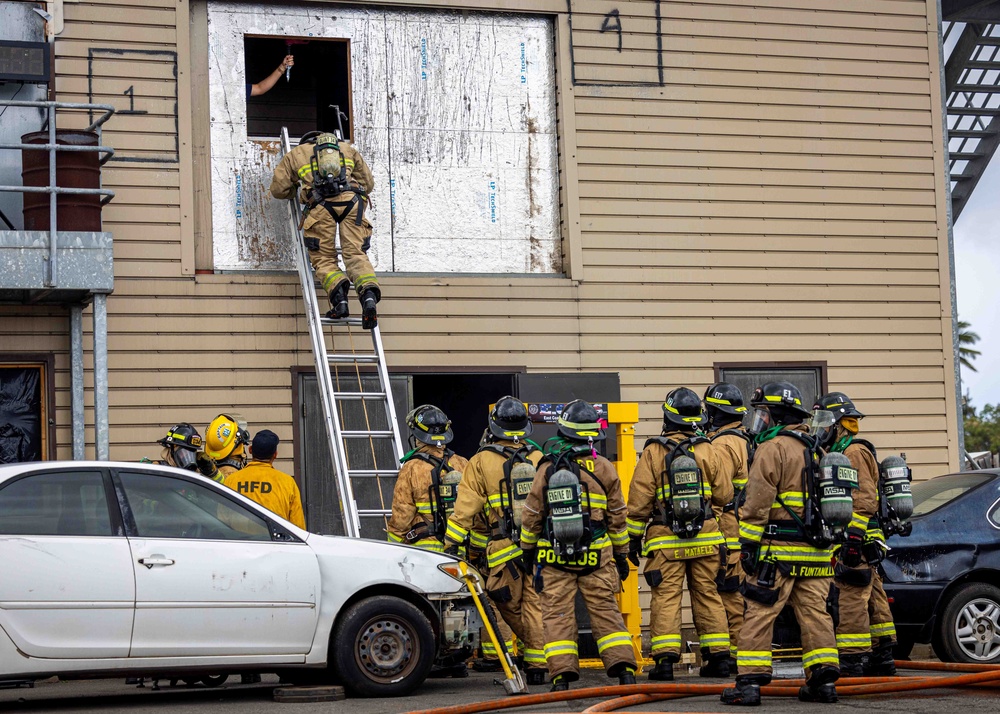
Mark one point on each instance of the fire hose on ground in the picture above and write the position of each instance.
(617, 696)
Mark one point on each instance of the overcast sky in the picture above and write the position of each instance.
(977, 276)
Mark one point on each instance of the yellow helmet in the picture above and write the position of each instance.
(226, 435)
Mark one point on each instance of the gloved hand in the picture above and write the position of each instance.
(621, 562)
(749, 556)
(850, 552)
(635, 550)
(206, 465)
(451, 549)
(528, 558)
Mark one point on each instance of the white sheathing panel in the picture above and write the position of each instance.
(455, 113)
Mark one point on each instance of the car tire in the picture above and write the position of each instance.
(969, 629)
(382, 647)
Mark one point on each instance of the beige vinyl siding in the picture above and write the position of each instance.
(779, 198)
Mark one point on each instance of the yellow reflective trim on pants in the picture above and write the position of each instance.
(863, 640)
(501, 556)
(883, 629)
(534, 656)
(635, 528)
(333, 279)
(455, 532)
(615, 639)
(432, 544)
(664, 642)
(618, 537)
(715, 639)
(753, 658)
(561, 647)
(823, 655)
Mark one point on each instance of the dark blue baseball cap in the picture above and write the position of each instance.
(265, 444)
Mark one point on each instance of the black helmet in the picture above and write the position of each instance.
(682, 408)
(509, 419)
(838, 403)
(430, 425)
(782, 398)
(579, 421)
(309, 137)
(726, 398)
(183, 436)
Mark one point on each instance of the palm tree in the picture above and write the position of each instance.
(967, 338)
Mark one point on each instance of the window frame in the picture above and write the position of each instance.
(279, 534)
(819, 365)
(114, 511)
(46, 363)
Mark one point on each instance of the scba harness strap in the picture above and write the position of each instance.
(665, 512)
(594, 539)
(507, 526)
(437, 497)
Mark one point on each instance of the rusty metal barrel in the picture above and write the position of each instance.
(74, 169)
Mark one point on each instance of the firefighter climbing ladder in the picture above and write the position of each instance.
(333, 369)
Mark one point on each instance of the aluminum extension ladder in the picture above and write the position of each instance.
(344, 443)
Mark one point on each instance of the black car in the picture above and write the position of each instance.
(943, 581)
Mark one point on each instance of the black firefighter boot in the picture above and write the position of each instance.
(369, 296)
(560, 683)
(819, 686)
(716, 664)
(854, 665)
(624, 671)
(664, 669)
(746, 693)
(338, 301)
(881, 662)
(535, 676)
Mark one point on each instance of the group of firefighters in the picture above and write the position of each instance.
(756, 509)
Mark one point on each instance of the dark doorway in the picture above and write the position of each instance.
(466, 399)
(321, 77)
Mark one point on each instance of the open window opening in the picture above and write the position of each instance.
(809, 377)
(319, 81)
(25, 406)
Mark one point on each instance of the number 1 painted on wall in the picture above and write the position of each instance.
(130, 93)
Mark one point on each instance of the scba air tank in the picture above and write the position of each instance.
(522, 475)
(895, 477)
(565, 510)
(837, 478)
(685, 493)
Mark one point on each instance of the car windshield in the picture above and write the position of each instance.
(931, 495)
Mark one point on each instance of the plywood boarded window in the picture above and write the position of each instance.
(454, 111)
(809, 377)
(24, 412)
(306, 96)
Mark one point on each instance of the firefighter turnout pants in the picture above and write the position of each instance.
(504, 633)
(883, 629)
(519, 605)
(665, 606)
(598, 588)
(354, 243)
(865, 619)
(729, 588)
(807, 597)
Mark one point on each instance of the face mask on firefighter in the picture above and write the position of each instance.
(821, 425)
(760, 421)
(184, 458)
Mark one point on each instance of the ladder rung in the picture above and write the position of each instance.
(359, 395)
(372, 473)
(381, 434)
(341, 321)
(351, 359)
(373, 512)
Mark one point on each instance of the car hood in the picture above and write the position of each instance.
(373, 562)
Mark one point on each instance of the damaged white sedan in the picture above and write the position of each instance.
(143, 570)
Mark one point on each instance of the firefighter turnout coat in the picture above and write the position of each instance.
(274, 490)
(414, 499)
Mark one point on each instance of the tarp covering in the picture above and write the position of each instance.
(20, 414)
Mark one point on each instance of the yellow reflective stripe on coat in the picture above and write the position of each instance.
(664, 642)
(618, 538)
(792, 499)
(534, 656)
(478, 540)
(499, 557)
(823, 655)
(529, 537)
(393, 538)
(455, 532)
(635, 528)
(858, 521)
(740, 482)
(672, 541)
(615, 639)
(602, 542)
(714, 639)
(561, 647)
(799, 553)
(424, 508)
(883, 629)
(496, 500)
(864, 640)
(432, 544)
(749, 531)
(732, 544)
(753, 658)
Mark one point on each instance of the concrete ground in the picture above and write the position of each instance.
(112, 696)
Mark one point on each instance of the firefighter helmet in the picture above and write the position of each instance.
(783, 399)
(726, 398)
(182, 436)
(430, 425)
(838, 403)
(682, 408)
(509, 419)
(226, 436)
(579, 421)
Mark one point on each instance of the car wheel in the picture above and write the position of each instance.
(214, 680)
(382, 647)
(970, 625)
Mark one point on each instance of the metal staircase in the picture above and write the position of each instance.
(972, 83)
(358, 411)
